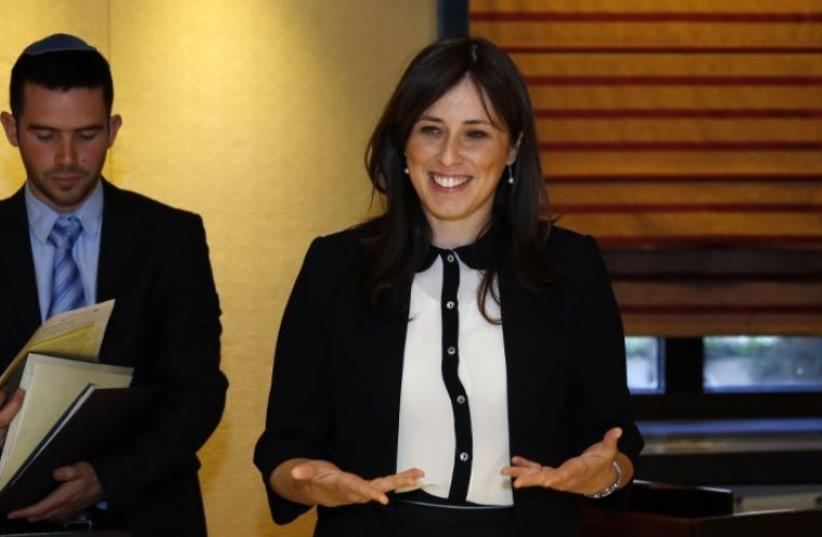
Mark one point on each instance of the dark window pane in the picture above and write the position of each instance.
(643, 364)
(762, 363)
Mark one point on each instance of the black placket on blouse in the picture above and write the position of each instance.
(478, 256)
(463, 453)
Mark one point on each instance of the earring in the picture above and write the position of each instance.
(510, 175)
(405, 170)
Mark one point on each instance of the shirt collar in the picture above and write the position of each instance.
(479, 255)
(42, 217)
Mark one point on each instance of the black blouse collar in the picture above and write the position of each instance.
(479, 255)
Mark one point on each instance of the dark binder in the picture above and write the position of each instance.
(96, 418)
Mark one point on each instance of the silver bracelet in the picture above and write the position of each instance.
(610, 489)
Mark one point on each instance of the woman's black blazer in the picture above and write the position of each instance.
(335, 392)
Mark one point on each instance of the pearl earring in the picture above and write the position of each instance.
(510, 175)
(405, 170)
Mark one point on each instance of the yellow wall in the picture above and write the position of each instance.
(254, 113)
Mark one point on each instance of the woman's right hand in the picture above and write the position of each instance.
(319, 482)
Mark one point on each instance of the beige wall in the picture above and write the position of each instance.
(254, 113)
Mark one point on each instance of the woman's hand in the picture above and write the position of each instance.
(588, 473)
(319, 482)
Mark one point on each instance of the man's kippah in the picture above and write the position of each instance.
(57, 43)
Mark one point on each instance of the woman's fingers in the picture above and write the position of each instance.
(401, 482)
(606, 447)
(524, 472)
(516, 460)
(611, 437)
(364, 491)
(535, 476)
(570, 476)
(376, 489)
(336, 487)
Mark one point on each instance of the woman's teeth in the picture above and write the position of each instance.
(448, 181)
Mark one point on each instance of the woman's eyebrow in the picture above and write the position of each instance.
(467, 121)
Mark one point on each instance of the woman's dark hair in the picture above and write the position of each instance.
(402, 235)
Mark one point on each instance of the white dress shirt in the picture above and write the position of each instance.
(427, 437)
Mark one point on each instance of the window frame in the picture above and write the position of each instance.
(681, 362)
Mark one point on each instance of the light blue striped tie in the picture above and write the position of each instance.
(66, 285)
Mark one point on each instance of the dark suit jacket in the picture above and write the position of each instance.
(338, 370)
(154, 262)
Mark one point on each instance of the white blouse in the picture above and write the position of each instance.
(435, 433)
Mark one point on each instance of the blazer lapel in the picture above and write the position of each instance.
(518, 329)
(386, 346)
(114, 265)
(20, 282)
(115, 252)
(530, 326)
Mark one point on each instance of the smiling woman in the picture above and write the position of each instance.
(455, 156)
(457, 357)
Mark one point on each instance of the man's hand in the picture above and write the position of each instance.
(79, 489)
(9, 409)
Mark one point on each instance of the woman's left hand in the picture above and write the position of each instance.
(588, 473)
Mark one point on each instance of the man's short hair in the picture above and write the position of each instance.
(54, 65)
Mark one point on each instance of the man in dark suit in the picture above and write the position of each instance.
(151, 258)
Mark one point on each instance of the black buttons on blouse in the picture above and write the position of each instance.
(450, 367)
